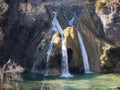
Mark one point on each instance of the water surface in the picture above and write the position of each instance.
(78, 82)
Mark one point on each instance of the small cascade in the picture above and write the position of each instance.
(48, 56)
(37, 62)
(70, 22)
(65, 69)
(84, 53)
(57, 25)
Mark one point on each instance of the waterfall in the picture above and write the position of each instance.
(48, 56)
(84, 53)
(65, 68)
(65, 71)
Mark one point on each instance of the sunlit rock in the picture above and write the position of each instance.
(57, 39)
(105, 60)
(71, 41)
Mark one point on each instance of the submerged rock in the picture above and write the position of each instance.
(54, 72)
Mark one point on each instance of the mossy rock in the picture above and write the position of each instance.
(71, 41)
(110, 60)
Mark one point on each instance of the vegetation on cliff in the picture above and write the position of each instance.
(10, 75)
(100, 4)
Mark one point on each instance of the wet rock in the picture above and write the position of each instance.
(93, 47)
(71, 41)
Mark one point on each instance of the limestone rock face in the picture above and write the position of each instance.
(71, 41)
(110, 17)
(93, 47)
(90, 26)
(109, 13)
(3, 46)
(23, 23)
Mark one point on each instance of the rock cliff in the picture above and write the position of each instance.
(25, 32)
(23, 23)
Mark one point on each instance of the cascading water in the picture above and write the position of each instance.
(37, 62)
(84, 53)
(48, 56)
(65, 69)
(70, 22)
(57, 25)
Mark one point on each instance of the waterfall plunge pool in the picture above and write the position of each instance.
(78, 82)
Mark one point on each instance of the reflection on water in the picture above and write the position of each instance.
(78, 82)
(52, 86)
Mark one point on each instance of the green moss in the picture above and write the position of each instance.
(100, 4)
(72, 42)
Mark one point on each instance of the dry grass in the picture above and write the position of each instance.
(10, 74)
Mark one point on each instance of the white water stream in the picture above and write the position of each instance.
(65, 68)
(84, 53)
(50, 48)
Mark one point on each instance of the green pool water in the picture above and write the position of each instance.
(78, 82)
